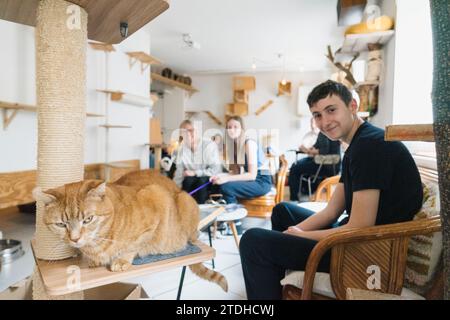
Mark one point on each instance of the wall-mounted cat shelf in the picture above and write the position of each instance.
(115, 126)
(409, 132)
(16, 107)
(130, 99)
(264, 107)
(55, 278)
(173, 83)
(145, 59)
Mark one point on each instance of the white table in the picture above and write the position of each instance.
(230, 216)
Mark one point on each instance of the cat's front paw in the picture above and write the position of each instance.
(120, 265)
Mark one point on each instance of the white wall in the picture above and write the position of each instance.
(386, 90)
(282, 116)
(18, 144)
(413, 63)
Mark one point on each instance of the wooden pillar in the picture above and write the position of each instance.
(440, 20)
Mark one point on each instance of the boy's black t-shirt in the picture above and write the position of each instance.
(370, 162)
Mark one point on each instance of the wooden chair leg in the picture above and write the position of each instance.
(214, 229)
(234, 230)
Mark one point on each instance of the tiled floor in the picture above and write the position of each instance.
(159, 286)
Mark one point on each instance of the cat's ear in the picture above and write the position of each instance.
(43, 196)
(98, 192)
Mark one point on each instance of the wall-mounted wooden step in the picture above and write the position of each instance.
(16, 107)
(130, 99)
(410, 132)
(55, 277)
(104, 16)
(102, 46)
(144, 58)
(115, 126)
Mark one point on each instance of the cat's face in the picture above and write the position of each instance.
(77, 212)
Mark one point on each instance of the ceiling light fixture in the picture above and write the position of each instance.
(189, 42)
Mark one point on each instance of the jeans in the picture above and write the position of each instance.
(267, 254)
(246, 189)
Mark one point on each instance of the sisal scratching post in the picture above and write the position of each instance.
(61, 37)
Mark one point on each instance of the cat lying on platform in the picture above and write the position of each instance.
(142, 213)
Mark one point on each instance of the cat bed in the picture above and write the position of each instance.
(189, 249)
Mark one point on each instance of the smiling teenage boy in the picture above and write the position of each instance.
(380, 184)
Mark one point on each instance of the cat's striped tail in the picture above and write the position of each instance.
(203, 272)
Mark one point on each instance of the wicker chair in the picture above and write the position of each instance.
(354, 250)
(261, 207)
(327, 187)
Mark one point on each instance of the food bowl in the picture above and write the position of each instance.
(10, 250)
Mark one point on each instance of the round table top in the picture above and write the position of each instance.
(236, 214)
(230, 213)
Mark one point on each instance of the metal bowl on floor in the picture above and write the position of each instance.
(10, 250)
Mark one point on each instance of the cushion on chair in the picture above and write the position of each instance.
(424, 251)
(322, 284)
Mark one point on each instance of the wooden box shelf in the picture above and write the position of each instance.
(246, 83)
(55, 277)
(237, 109)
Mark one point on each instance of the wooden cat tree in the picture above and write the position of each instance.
(62, 30)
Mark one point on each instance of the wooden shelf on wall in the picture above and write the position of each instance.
(16, 107)
(172, 83)
(358, 42)
(115, 126)
(54, 274)
(102, 46)
(144, 58)
(410, 132)
(104, 16)
(130, 99)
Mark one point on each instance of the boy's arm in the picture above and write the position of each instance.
(364, 214)
(327, 216)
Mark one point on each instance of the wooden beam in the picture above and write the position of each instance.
(416, 132)
(104, 16)
(214, 118)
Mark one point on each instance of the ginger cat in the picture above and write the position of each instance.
(111, 223)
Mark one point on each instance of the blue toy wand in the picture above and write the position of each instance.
(199, 188)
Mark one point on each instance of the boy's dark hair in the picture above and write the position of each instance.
(329, 88)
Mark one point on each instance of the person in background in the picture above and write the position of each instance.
(306, 165)
(249, 174)
(196, 161)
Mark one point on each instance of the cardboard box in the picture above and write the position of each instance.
(115, 291)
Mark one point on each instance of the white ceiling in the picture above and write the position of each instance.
(232, 33)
